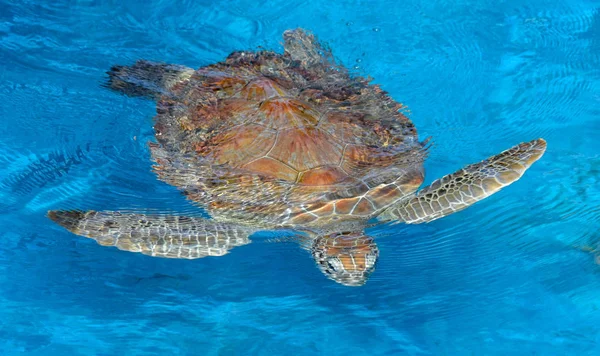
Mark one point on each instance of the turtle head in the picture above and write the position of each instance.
(347, 258)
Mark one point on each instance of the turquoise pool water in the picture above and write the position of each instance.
(510, 275)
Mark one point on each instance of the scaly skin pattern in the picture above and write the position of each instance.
(347, 258)
(155, 235)
(467, 186)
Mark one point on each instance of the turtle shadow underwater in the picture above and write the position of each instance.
(269, 141)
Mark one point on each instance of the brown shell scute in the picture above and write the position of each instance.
(241, 144)
(306, 148)
(276, 131)
(283, 113)
(262, 89)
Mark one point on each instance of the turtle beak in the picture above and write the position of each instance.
(347, 258)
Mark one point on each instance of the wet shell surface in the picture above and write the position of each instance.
(263, 133)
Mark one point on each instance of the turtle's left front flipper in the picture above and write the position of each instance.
(467, 186)
(155, 235)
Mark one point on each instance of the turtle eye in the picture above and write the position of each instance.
(330, 266)
(335, 265)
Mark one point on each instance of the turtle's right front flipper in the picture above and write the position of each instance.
(467, 186)
(155, 235)
(147, 79)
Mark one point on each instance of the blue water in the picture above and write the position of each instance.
(510, 275)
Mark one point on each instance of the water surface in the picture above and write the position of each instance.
(506, 276)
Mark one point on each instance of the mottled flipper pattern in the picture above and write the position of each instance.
(155, 235)
(147, 79)
(463, 188)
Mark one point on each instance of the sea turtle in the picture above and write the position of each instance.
(266, 141)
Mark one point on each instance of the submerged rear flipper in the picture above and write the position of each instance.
(467, 186)
(148, 79)
(155, 235)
